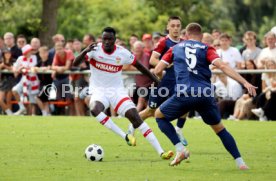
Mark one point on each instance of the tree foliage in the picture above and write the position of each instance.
(76, 18)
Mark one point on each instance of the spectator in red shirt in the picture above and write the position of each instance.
(62, 61)
(142, 82)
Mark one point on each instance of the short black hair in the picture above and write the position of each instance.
(110, 30)
(174, 18)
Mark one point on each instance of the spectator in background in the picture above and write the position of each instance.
(45, 81)
(88, 39)
(245, 103)
(266, 101)
(69, 45)
(147, 40)
(228, 91)
(251, 52)
(35, 43)
(10, 44)
(62, 61)
(21, 41)
(132, 39)
(77, 45)
(1, 46)
(269, 52)
(79, 81)
(56, 38)
(28, 87)
(155, 38)
(183, 34)
(7, 81)
(207, 38)
(216, 34)
(99, 39)
(228, 54)
(142, 81)
(216, 44)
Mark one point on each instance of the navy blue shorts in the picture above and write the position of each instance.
(175, 107)
(160, 94)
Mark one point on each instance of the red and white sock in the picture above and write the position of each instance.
(108, 123)
(148, 134)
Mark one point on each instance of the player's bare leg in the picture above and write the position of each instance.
(137, 122)
(146, 113)
(97, 110)
(167, 128)
(229, 144)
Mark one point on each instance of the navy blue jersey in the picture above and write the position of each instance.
(191, 61)
(162, 47)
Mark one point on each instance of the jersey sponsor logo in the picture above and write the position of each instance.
(105, 67)
(118, 60)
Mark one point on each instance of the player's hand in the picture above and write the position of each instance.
(91, 47)
(250, 88)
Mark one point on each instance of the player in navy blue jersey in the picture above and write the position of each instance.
(194, 90)
(166, 88)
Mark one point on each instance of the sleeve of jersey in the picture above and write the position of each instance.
(168, 57)
(88, 56)
(128, 58)
(160, 47)
(212, 55)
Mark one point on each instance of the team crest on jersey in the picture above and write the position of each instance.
(118, 60)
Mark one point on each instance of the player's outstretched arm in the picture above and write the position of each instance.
(160, 67)
(79, 59)
(145, 71)
(236, 76)
(154, 59)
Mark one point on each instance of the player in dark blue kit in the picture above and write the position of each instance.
(191, 60)
(159, 94)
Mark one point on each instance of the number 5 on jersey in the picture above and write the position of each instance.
(191, 59)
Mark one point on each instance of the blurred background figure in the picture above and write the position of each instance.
(142, 81)
(251, 51)
(229, 54)
(148, 43)
(10, 44)
(46, 80)
(87, 40)
(35, 43)
(21, 41)
(155, 38)
(207, 39)
(216, 34)
(28, 86)
(7, 81)
(268, 52)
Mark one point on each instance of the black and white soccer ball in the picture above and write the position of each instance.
(94, 153)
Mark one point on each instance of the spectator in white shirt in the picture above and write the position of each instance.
(227, 91)
(228, 54)
(269, 52)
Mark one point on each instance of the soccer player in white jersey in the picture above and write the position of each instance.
(106, 85)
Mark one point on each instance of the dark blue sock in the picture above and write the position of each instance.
(167, 128)
(180, 122)
(229, 143)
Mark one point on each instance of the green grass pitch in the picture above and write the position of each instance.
(52, 148)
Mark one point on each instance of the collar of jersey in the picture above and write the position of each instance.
(173, 40)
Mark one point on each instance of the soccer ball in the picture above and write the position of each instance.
(94, 153)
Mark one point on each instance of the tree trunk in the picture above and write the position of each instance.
(49, 21)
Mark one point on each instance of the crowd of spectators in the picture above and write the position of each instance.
(28, 91)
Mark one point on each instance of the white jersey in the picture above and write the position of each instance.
(106, 68)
